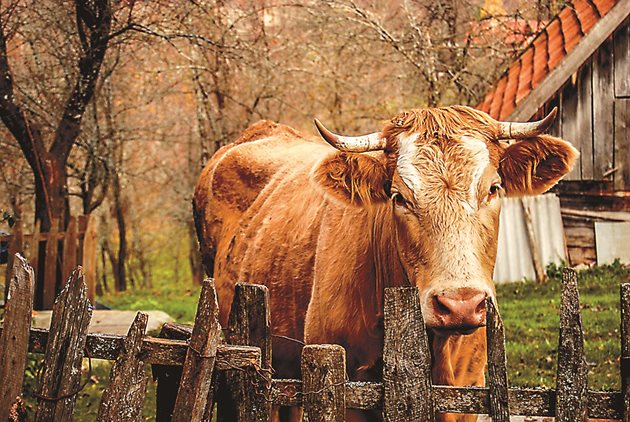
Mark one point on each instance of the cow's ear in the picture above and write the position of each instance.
(532, 166)
(358, 179)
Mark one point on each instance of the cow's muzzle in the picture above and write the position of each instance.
(459, 311)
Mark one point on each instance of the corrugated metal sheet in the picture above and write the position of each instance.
(514, 258)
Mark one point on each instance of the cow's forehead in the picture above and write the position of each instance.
(445, 168)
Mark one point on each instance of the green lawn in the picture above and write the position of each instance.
(531, 316)
(530, 313)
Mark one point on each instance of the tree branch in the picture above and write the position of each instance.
(94, 22)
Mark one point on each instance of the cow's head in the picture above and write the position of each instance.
(442, 171)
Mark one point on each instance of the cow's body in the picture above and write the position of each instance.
(263, 216)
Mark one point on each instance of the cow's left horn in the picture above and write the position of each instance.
(365, 143)
(514, 130)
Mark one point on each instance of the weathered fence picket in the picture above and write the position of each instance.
(195, 356)
(194, 398)
(60, 380)
(324, 378)
(249, 325)
(14, 337)
(625, 349)
(497, 365)
(124, 396)
(406, 358)
(571, 382)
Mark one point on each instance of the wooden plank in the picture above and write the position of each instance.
(571, 381)
(324, 374)
(249, 325)
(584, 119)
(88, 257)
(60, 378)
(406, 358)
(596, 215)
(69, 258)
(14, 338)
(622, 143)
(621, 40)
(50, 267)
(603, 113)
(157, 351)
(194, 397)
(625, 349)
(168, 376)
(123, 398)
(497, 365)
(471, 400)
(42, 236)
(571, 63)
(15, 246)
(569, 122)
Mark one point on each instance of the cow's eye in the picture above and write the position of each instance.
(398, 199)
(494, 190)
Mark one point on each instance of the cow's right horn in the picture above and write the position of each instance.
(515, 130)
(365, 143)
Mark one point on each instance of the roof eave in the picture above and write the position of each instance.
(571, 62)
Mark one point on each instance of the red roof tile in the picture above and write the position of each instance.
(545, 52)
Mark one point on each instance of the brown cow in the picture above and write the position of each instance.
(327, 230)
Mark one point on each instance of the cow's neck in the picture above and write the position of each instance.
(388, 270)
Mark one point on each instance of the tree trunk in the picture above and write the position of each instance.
(119, 268)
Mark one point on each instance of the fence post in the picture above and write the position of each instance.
(194, 398)
(249, 325)
(324, 379)
(497, 365)
(15, 334)
(61, 373)
(123, 398)
(571, 382)
(406, 359)
(625, 350)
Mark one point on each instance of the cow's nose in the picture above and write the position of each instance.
(462, 309)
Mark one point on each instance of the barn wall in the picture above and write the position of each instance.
(594, 113)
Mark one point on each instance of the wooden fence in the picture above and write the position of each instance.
(189, 362)
(54, 255)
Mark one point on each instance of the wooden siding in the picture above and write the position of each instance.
(594, 115)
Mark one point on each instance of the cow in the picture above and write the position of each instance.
(327, 224)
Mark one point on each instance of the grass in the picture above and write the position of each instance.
(530, 313)
(531, 316)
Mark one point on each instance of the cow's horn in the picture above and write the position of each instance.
(365, 143)
(514, 130)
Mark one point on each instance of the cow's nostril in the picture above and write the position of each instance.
(440, 306)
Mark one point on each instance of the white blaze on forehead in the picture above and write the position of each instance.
(408, 172)
(480, 160)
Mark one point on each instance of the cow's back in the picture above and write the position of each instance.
(257, 215)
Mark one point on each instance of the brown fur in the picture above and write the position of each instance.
(316, 226)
